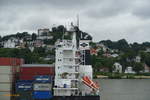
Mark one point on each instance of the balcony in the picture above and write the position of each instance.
(68, 45)
(70, 65)
(70, 75)
(67, 48)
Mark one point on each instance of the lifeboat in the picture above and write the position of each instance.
(87, 81)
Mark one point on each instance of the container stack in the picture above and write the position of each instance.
(29, 71)
(42, 87)
(8, 69)
(24, 90)
(35, 81)
(5, 82)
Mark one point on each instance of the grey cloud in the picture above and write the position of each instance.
(142, 11)
(109, 8)
(57, 4)
(35, 23)
(104, 19)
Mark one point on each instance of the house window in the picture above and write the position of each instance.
(70, 59)
(59, 59)
(70, 66)
(58, 45)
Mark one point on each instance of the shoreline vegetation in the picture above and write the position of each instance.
(104, 75)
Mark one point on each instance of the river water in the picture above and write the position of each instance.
(120, 89)
(125, 89)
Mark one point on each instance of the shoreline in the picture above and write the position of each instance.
(122, 77)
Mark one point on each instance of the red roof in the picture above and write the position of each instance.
(93, 51)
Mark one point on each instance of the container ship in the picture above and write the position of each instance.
(70, 78)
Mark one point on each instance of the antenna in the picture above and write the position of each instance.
(64, 32)
(78, 20)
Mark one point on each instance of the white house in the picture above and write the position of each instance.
(137, 59)
(147, 50)
(114, 55)
(44, 37)
(38, 43)
(44, 34)
(10, 43)
(117, 67)
(102, 46)
(129, 70)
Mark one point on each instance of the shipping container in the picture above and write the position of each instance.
(24, 85)
(6, 70)
(37, 70)
(29, 77)
(6, 78)
(5, 87)
(42, 95)
(42, 87)
(29, 71)
(24, 95)
(5, 96)
(25, 81)
(4, 61)
(26, 77)
(43, 79)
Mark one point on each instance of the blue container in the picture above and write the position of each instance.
(25, 81)
(43, 79)
(24, 85)
(42, 95)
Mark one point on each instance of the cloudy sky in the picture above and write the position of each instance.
(103, 19)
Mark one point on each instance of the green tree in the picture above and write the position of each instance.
(121, 45)
(137, 67)
(145, 57)
(40, 51)
(99, 62)
(93, 45)
(57, 33)
(93, 60)
(34, 36)
(109, 63)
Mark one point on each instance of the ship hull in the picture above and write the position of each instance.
(76, 98)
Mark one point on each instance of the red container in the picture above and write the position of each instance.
(4, 61)
(28, 71)
(27, 77)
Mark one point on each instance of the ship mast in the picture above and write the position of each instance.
(74, 40)
(78, 21)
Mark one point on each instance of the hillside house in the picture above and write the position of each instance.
(117, 67)
(129, 70)
(146, 68)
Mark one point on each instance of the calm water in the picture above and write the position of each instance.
(125, 89)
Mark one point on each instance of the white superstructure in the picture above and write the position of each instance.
(70, 68)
